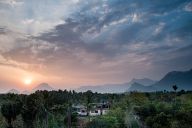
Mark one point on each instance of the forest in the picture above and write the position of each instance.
(54, 109)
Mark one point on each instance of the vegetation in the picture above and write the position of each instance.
(53, 109)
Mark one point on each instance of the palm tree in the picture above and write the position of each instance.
(10, 111)
(175, 87)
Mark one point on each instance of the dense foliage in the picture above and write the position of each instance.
(53, 109)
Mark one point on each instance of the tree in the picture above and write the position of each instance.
(10, 111)
(184, 119)
(30, 109)
(69, 115)
(104, 122)
(161, 121)
(89, 95)
(45, 104)
(175, 87)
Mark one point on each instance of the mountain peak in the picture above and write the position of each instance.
(183, 79)
(26, 92)
(139, 87)
(144, 81)
(14, 91)
(43, 86)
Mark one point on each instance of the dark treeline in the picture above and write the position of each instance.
(53, 109)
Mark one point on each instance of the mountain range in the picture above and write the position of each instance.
(183, 80)
(42, 86)
(14, 91)
(140, 88)
(115, 88)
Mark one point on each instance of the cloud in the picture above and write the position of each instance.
(97, 41)
(122, 29)
(159, 28)
(188, 7)
(34, 17)
(12, 3)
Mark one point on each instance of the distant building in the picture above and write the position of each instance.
(96, 109)
(81, 110)
(99, 109)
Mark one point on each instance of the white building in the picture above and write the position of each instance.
(96, 109)
(80, 109)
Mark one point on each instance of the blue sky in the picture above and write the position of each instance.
(80, 42)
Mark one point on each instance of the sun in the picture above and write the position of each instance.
(27, 81)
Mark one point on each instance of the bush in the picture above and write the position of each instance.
(104, 122)
(184, 119)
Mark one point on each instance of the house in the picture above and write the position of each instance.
(96, 109)
(99, 109)
(81, 110)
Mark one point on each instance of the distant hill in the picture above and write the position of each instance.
(43, 86)
(26, 92)
(108, 88)
(144, 81)
(183, 79)
(14, 91)
(140, 88)
(115, 88)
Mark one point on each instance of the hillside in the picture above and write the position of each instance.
(43, 86)
(14, 91)
(183, 79)
(115, 88)
(140, 88)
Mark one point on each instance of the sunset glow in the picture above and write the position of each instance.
(28, 81)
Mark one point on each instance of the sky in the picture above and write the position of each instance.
(70, 43)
